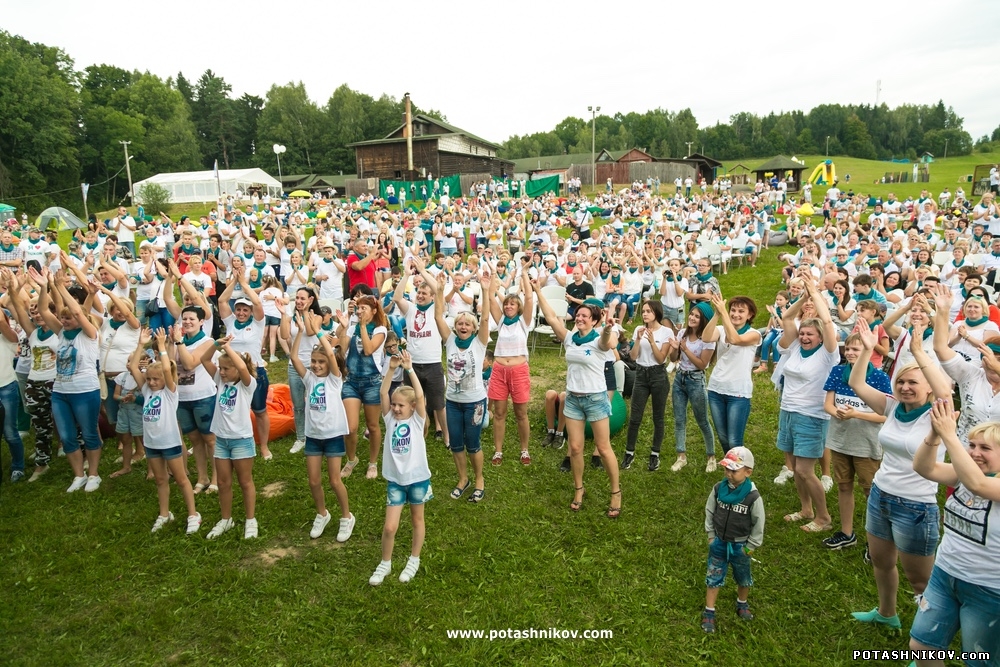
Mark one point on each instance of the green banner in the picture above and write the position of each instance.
(538, 186)
(415, 189)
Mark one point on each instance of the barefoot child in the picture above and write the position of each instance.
(129, 424)
(325, 422)
(734, 520)
(404, 466)
(159, 426)
(234, 443)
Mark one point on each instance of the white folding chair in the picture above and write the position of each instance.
(561, 307)
(334, 304)
(554, 293)
(941, 258)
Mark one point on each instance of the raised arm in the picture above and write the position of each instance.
(554, 321)
(130, 318)
(293, 355)
(889, 324)
(823, 313)
(407, 363)
(161, 345)
(133, 360)
(439, 308)
(858, 381)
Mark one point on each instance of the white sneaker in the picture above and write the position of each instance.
(273, 359)
(250, 530)
(678, 464)
(61, 453)
(161, 521)
(78, 483)
(412, 564)
(297, 447)
(93, 484)
(827, 483)
(319, 525)
(784, 475)
(346, 529)
(381, 572)
(219, 528)
(194, 524)
(710, 466)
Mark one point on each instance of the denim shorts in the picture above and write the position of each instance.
(328, 447)
(417, 493)
(587, 407)
(234, 448)
(950, 604)
(801, 435)
(168, 454)
(258, 403)
(196, 415)
(271, 321)
(720, 556)
(364, 388)
(129, 419)
(912, 526)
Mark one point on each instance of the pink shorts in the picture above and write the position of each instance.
(512, 381)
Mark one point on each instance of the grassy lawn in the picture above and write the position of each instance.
(88, 584)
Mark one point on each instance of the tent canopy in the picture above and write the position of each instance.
(62, 218)
(201, 186)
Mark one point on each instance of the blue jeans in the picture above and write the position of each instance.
(110, 404)
(77, 411)
(161, 320)
(730, 415)
(297, 388)
(769, 348)
(951, 604)
(10, 399)
(689, 387)
(465, 425)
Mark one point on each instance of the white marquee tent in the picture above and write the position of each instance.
(201, 186)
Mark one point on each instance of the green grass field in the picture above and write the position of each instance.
(88, 584)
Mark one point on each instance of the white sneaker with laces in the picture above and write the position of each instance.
(412, 565)
(346, 529)
(273, 359)
(93, 484)
(784, 475)
(78, 483)
(161, 521)
(319, 525)
(297, 447)
(827, 483)
(710, 466)
(250, 530)
(381, 572)
(194, 524)
(218, 529)
(678, 464)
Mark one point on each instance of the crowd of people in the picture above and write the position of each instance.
(419, 322)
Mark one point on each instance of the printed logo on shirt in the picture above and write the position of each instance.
(401, 439)
(66, 361)
(317, 398)
(151, 410)
(967, 515)
(227, 398)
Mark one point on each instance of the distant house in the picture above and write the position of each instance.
(781, 165)
(439, 149)
(625, 157)
(316, 182)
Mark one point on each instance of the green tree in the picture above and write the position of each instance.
(805, 144)
(214, 116)
(857, 141)
(290, 118)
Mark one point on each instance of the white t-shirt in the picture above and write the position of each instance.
(325, 414)
(423, 340)
(248, 339)
(404, 452)
(970, 546)
(900, 441)
(76, 364)
(804, 379)
(232, 409)
(333, 286)
(43, 357)
(733, 372)
(672, 299)
(271, 308)
(696, 347)
(8, 351)
(465, 371)
(159, 419)
(197, 383)
(660, 336)
(117, 345)
(585, 366)
(37, 250)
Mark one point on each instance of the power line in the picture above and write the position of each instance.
(55, 192)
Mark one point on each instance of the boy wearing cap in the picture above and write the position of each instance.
(734, 521)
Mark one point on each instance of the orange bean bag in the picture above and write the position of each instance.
(280, 410)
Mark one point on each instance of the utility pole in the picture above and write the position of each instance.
(593, 145)
(828, 145)
(945, 148)
(128, 172)
(689, 148)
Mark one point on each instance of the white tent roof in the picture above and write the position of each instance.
(201, 186)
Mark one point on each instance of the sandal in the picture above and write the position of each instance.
(372, 472)
(348, 468)
(459, 491)
(199, 487)
(477, 495)
(577, 504)
(797, 516)
(813, 527)
(212, 488)
(615, 512)
(497, 458)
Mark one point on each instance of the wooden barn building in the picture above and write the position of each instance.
(439, 149)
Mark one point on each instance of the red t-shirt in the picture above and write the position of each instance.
(364, 276)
